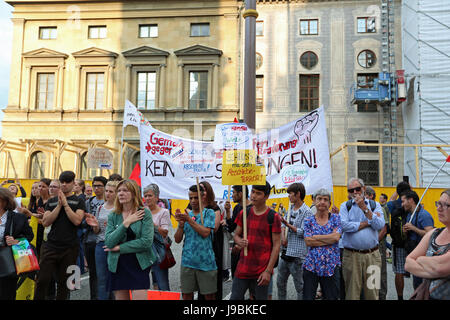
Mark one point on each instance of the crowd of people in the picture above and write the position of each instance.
(331, 252)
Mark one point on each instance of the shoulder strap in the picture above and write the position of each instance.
(349, 205)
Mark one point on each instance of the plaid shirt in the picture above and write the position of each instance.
(296, 246)
(259, 244)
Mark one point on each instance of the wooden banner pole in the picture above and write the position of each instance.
(200, 201)
(244, 215)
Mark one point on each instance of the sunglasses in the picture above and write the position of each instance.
(354, 189)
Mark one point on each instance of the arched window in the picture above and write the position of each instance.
(367, 59)
(37, 165)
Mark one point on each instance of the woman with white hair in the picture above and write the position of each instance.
(322, 232)
(161, 218)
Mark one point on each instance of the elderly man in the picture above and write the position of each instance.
(361, 219)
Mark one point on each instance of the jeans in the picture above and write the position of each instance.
(330, 289)
(80, 257)
(240, 286)
(103, 274)
(161, 277)
(285, 269)
(89, 251)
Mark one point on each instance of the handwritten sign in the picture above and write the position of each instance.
(232, 136)
(239, 168)
(99, 158)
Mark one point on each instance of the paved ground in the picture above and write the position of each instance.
(174, 280)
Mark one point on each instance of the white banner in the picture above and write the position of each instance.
(295, 152)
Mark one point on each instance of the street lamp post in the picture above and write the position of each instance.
(250, 14)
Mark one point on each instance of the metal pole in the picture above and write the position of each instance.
(423, 195)
(250, 14)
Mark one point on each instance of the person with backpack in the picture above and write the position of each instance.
(254, 270)
(90, 237)
(198, 270)
(294, 249)
(361, 221)
(417, 227)
(398, 236)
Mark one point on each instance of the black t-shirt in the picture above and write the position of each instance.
(63, 234)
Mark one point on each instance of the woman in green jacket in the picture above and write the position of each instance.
(128, 240)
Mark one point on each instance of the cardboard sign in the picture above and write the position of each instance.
(99, 158)
(239, 168)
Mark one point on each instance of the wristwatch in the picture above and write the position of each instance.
(366, 211)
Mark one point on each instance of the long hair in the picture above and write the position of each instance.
(210, 196)
(133, 187)
(33, 198)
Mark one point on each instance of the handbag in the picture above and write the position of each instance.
(24, 257)
(7, 265)
(422, 292)
(169, 260)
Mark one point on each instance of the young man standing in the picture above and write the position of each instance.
(255, 270)
(198, 265)
(90, 238)
(293, 246)
(238, 198)
(64, 213)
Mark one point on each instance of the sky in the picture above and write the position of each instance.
(5, 53)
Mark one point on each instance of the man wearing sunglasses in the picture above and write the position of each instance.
(361, 263)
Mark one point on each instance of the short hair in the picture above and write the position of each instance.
(47, 181)
(193, 188)
(152, 187)
(370, 191)
(8, 197)
(384, 196)
(102, 179)
(323, 192)
(410, 194)
(402, 187)
(115, 177)
(238, 188)
(133, 187)
(447, 192)
(81, 183)
(67, 176)
(297, 187)
(360, 181)
(264, 188)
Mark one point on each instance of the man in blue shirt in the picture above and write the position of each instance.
(421, 223)
(361, 260)
(198, 264)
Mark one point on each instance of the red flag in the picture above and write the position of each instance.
(136, 174)
(236, 120)
(448, 159)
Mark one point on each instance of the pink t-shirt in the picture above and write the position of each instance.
(162, 219)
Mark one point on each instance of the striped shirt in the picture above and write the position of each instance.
(296, 246)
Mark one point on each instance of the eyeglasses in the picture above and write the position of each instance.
(444, 206)
(97, 186)
(354, 189)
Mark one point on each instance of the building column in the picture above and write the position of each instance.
(77, 86)
(128, 82)
(215, 86)
(15, 82)
(60, 92)
(162, 85)
(27, 87)
(180, 86)
(109, 98)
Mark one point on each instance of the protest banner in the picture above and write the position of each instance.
(295, 152)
